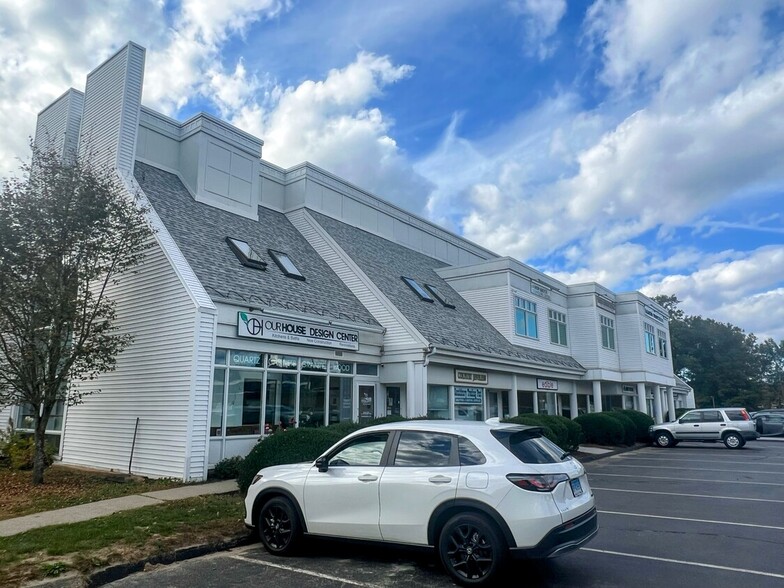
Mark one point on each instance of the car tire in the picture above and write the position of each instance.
(663, 439)
(733, 441)
(472, 549)
(279, 526)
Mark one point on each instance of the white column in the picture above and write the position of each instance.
(514, 410)
(597, 396)
(671, 402)
(657, 404)
(641, 400)
(411, 391)
(573, 401)
(536, 402)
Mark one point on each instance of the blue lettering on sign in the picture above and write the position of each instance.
(465, 395)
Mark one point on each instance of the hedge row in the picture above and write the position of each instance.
(562, 431)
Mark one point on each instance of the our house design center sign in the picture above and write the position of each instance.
(257, 326)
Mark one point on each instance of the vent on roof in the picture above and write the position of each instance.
(246, 254)
(283, 261)
(420, 291)
(439, 295)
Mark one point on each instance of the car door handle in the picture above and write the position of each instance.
(695, 425)
(367, 478)
(723, 425)
(439, 479)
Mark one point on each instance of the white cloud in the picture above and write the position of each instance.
(540, 22)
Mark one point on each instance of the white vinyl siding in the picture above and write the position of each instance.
(493, 304)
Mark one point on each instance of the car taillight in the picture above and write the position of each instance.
(745, 415)
(537, 482)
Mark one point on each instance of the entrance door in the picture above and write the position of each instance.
(367, 402)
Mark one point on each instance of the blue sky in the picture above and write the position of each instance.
(639, 144)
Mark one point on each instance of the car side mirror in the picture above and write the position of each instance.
(322, 464)
(680, 421)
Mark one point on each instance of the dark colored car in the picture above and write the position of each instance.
(769, 422)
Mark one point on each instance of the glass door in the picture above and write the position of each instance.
(367, 394)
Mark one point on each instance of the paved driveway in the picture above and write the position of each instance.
(696, 515)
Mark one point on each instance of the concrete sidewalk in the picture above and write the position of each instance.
(91, 510)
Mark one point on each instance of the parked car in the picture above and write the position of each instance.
(478, 493)
(733, 426)
(769, 422)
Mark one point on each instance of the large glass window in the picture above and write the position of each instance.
(243, 405)
(280, 401)
(557, 327)
(312, 399)
(650, 339)
(25, 417)
(438, 402)
(417, 448)
(216, 414)
(608, 332)
(662, 343)
(341, 400)
(525, 318)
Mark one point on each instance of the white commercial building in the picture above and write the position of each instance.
(289, 297)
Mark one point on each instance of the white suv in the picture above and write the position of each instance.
(733, 426)
(476, 492)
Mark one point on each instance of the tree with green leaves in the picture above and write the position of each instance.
(69, 230)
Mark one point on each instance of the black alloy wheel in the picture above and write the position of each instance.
(279, 526)
(471, 549)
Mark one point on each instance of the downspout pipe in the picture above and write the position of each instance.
(429, 350)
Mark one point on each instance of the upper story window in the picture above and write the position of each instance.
(608, 332)
(557, 327)
(246, 254)
(662, 343)
(650, 339)
(525, 318)
(283, 261)
(439, 295)
(420, 291)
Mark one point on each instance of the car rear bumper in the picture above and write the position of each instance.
(566, 537)
(750, 435)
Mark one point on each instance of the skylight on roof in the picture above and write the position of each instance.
(283, 261)
(421, 292)
(439, 295)
(246, 254)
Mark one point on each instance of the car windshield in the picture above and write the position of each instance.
(530, 446)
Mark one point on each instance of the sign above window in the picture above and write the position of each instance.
(257, 326)
(470, 377)
(540, 291)
(542, 384)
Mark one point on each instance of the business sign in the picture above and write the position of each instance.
(470, 377)
(468, 395)
(542, 384)
(256, 326)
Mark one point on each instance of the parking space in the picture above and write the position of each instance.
(696, 514)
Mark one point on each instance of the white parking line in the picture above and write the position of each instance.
(692, 495)
(671, 459)
(623, 465)
(669, 479)
(301, 571)
(685, 563)
(650, 516)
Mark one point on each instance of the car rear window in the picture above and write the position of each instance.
(737, 415)
(530, 446)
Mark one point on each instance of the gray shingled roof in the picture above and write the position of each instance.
(200, 232)
(462, 328)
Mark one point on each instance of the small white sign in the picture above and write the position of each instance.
(257, 326)
(542, 384)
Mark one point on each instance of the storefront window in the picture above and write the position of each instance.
(220, 356)
(243, 407)
(469, 403)
(218, 388)
(438, 402)
(312, 400)
(311, 364)
(367, 369)
(280, 402)
(341, 367)
(282, 362)
(247, 359)
(340, 400)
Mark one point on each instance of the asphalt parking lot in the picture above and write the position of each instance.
(693, 515)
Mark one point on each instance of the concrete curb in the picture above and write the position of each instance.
(586, 457)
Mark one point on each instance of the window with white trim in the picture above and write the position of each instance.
(247, 255)
(662, 343)
(557, 327)
(525, 318)
(283, 261)
(608, 332)
(650, 339)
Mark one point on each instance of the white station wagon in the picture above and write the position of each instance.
(478, 493)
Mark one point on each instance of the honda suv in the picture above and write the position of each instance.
(478, 493)
(733, 426)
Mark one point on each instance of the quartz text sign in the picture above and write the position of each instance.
(258, 326)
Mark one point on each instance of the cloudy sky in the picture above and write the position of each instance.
(638, 144)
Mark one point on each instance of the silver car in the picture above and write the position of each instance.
(733, 426)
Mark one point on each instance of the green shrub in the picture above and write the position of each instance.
(629, 428)
(18, 450)
(601, 428)
(560, 430)
(641, 423)
(227, 469)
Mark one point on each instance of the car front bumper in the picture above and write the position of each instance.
(563, 538)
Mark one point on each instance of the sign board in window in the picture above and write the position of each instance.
(542, 384)
(257, 326)
(470, 377)
(465, 395)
